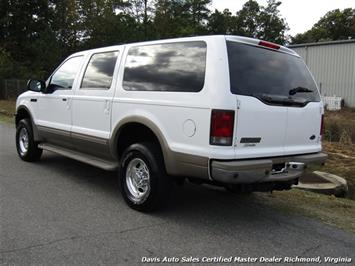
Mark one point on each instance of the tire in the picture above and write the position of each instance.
(148, 189)
(26, 147)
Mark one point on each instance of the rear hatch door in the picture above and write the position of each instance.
(303, 129)
(277, 102)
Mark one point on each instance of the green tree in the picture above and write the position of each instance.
(247, 22)
(24, 28)
(35, 35)
(6, 64)
(261, 22)
(220, 22)
(198, 15)
(66, 24)
(176, 18)
(141, 11)
(109, 22)
(170, 18)
(273, 26)
(335, 25)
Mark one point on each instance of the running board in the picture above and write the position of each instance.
(81, 157)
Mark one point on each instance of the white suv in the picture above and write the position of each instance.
(225, 110)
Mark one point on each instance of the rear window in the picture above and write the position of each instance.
(268, 75)
(166, 67)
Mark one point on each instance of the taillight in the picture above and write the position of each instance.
(222, 124)
(269, 45)
(322, 126)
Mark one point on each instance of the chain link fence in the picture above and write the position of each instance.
(11, 88)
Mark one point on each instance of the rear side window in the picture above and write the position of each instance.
(256, 71)
(99, 72)
(166, 67)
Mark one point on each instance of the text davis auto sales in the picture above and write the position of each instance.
(236, 259)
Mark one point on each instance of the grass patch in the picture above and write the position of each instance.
(341, 162)
(7, 110)
(330, 210)
(7, 107)
(340, 126)
(6, 118)
(339, 144)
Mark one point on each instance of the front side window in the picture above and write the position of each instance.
(99, 72)
(64, 77)
(166, 67)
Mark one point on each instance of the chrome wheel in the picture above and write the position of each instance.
(23, 141)
(138, 180)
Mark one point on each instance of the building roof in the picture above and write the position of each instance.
(321, 43)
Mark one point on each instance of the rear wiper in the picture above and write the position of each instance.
(280, 100)
(299, 89)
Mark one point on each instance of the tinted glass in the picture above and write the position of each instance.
(64, 77)
(258, 71)
(166, 67)
(99, 72)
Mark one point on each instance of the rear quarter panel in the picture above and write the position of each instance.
(178, 114)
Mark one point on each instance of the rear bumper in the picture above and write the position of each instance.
(261, 170)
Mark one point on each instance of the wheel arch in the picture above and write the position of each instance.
(23, 112)
(148, 129)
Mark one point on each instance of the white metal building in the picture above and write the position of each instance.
(333, 66)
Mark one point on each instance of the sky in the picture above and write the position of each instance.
(299, 14)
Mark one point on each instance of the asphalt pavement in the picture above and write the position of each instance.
(63, 212)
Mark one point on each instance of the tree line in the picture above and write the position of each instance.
(35, 35)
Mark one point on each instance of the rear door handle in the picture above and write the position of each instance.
(64, 99)
(34, 100)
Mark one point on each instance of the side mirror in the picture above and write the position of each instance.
(36, 85)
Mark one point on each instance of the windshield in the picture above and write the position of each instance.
(269, 75)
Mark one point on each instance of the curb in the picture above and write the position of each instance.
(334, 185)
